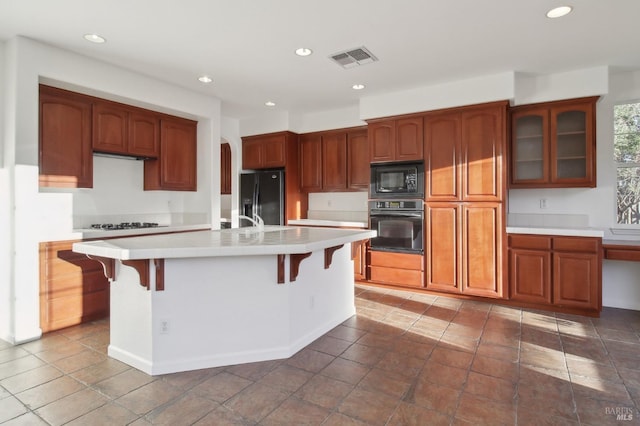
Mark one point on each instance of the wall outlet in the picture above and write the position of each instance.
(164, 326)
(543, 203)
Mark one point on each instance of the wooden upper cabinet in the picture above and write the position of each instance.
(310, 146)
(65, 154)
(396, 140)
(176, 169)
(553, 144)
(225, 168)
(358, 169)
(144, 134)
(264, 151)
(442, 139)
(464, 154)
(483, 149)
(334, 161)
(120, 129)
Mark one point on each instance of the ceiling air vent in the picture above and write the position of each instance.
(353, 57)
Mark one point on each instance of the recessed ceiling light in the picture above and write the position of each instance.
(205, 79)
(559, 12)
(94, 38)
(358, 86)
(303, 51)
(270, 104)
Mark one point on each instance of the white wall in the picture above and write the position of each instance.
(26, 64)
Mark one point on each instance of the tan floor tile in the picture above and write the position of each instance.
(11, 408)
(222, 416)
(546, 400)
(254, 370)
(186, 380)
(349, 334)
(543, 358)
(414, 346)
(310, 360)
(184, 411)
(373, 408)
(492, 350)
(387, 382)
(595, 388)
(12, 352)
(324, 391)
(459, 343)
(47, 342)
(401, 363)
(221, 387)
(71, 406)
(100, 371)
(346, 370)
(108, 414)
(435, 397)
(148, 397)
(492, 388)
(123, 383)
(61, 351)
(295, 411)
(482, 411)
(286, 378)
(256, 401)
(79, 361)
(384, 342)
(31, 378)
(366, 355)
(413, 415)
(338, 419)
(330, 345)
(48, 392)
(497, 337)
(19, 365)
(598, 412)
(496, 368)
(531, 417)
(451, 357)
(444, 375)
(28, 419)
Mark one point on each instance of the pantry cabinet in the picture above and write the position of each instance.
(65, 153)
(396, 140)
(464, 246)
(176, 168)
(335, 160)
(119, 129)
(553, 144)
(558, 271)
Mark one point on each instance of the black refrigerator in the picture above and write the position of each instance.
(262, 193)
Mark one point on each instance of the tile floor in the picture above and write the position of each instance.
(405, 359)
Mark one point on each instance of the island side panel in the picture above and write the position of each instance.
(321, 298)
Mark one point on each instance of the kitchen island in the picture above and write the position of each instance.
(204, 299)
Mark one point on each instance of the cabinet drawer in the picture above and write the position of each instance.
(396, 260)
(532, 242)
(576, 244)
(396, 276)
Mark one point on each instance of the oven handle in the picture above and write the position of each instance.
(395, 213)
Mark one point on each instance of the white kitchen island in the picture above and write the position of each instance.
(203, 299)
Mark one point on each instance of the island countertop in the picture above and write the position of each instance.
(271, 240)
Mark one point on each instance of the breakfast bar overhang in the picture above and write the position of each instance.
(204, 299)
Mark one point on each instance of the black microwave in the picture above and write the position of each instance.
(404, 180)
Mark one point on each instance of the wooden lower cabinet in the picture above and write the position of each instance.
(360, 260)
(464, 248)
(396, 268)
(563, 272)
(73, 288)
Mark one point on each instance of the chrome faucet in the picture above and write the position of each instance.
(256, 220)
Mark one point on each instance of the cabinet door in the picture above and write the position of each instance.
(530, 275)
(358, 169)
(110, 132)
(572, 146)
(482, 246)
(274, 151)
(442, 145)
(252, 154)
(225, 168)
(483, 140)
(176, 169)
(310, 147)
(66, 158)
(530, 147)
(409, 139)
(334, 161)
(576, 280)
(359, 254)
(144, 134)
(442, 251)
(382, 140)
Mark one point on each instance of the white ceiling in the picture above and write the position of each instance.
(247, 46)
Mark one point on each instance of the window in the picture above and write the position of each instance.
(626, 143)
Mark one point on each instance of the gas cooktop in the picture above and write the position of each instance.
(123, 225)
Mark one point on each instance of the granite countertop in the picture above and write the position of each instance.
(328, 223)
(90, 233)
(271, 240)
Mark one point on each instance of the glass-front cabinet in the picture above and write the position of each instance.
(553, 144)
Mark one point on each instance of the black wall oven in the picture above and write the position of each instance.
(399, 224)
(397, 180)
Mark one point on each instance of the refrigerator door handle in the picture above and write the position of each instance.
(256, 199)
